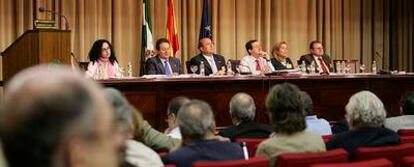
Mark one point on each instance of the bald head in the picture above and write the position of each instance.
(242, 108)
(44, 108)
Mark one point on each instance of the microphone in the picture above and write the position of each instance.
(43, 9)
(243, 71)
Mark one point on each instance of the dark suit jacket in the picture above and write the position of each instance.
(219, 60)
(154, 65)
(309, 58)
(278, 65)
(207, 150)
(363, 137)
(247, 130)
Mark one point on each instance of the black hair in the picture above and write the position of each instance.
(407, 104)
(175, 104)
(160, 41)
(249, 45)
(96, 50)
(313, 43)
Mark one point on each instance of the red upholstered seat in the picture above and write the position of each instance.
(251, 144)
(368, 163)
(170, 165)
(326, 138)
(307, 159)
(406, 132)
(407, 139)
(252, 162)
(392, 153)
(407, 161)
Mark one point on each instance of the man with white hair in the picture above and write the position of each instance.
(365, 115)
(196, 122)
(242, 112)
(52, 116)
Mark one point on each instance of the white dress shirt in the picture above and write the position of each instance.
(400, 122)
(248, 64)
(175, 133)
(318, 126)
(212, 63)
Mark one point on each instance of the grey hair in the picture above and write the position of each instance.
(365, 109)
(195, 119)
(122, 108)
(242, 107)
(307, 103)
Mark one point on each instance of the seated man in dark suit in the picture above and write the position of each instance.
(322, 61)
(163, 63)
(213, 63)
(196, 122)
(242, 111)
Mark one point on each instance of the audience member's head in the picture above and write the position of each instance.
(196, 120)
(102, 48)
(163, 48)
(364, 109)
(307, 103)
(54, 117)
(316, 48)
(242, 108)
(206, 46)
(407, 104)
(285, 109)
(173, 107)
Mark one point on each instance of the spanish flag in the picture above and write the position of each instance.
(172, 34)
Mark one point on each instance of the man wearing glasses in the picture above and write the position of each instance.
(323, 62)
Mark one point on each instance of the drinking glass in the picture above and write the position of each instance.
(193, 68)
(362, 68)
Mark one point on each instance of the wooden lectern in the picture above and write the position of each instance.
(34, 47)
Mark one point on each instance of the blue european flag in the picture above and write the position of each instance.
(205, 29)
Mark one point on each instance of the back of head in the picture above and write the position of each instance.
(175, 104)
(407, 104)
(195, 119)
(44, 107)
(307, 103)
(242, 108)
(365, 109)
(122, 108)
(285, 108)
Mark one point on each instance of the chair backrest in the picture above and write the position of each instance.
(368, 163)
(251, 144)
(407, 139)
(406, 132)
(187, 66)
(406, 149)
(326, 138)
(391, 153)
(252, 162)
(407, 161)
(307, 159)
(83, 65)
(234, 63)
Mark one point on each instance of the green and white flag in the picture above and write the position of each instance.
(146, 37)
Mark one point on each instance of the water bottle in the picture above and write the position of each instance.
(343, 66)
(303, 66)
(229, 68)
(338, 67)
(312, 67)
(374, 67)
(202, 73)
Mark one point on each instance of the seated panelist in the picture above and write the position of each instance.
(163, 62)
(322, 61)
(213, 63)
(256, 61)
(103, 63)
(280, 59)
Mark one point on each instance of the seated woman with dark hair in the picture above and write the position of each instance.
(286, 116)
(365, 115)
(103, 63)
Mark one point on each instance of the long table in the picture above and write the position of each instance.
(330, 94)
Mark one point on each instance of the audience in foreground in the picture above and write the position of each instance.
(242, 112)
(196, 122)
(313, 123)
(133, 152)
(173, 106)
(288, 121)
(54, 117)
(406, 120)
(365, 114)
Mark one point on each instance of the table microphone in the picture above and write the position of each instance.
(43, 9)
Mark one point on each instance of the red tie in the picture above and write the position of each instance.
(258, 65)
(322, 63)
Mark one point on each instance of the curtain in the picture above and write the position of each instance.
(349, 29)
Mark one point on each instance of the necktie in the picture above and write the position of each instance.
(322, 63)
(212, 65)
(258, 65)
(167, 68)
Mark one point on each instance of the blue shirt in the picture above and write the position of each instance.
(208, 150)
(318, 126)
